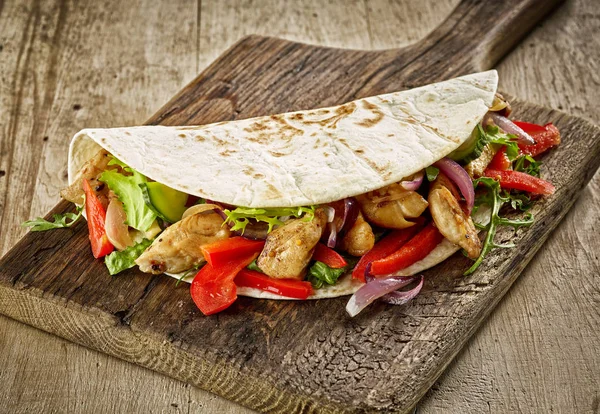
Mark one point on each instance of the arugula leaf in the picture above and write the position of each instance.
(189, 272)
(518, 201)
(240, 216)
(495, 199)
(60, 220)
(494, 136)
(432, 173)
(320, 274)
(117, 261)
(527, 164)
(127, 188)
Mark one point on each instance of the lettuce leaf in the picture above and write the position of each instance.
(127, 188)
(320, 274)
(240, 216)
(117, 261)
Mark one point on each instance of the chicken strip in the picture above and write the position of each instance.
(450, 219)
(289, 248)
(90, 171)
(359, 239)
(178, 248)
(390, 206)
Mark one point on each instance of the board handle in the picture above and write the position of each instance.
(476, 35)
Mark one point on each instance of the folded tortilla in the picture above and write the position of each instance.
(306, 157)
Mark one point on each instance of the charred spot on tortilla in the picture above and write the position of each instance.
(272, 192)
(257, 126)
(182, 136)
(220, 142)
(285, 126)
(298, 116)
(276, 154)
(378, 115)
(200, 138)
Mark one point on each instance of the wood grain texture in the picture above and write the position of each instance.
(503, 398)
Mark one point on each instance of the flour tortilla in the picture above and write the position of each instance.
(305, 157)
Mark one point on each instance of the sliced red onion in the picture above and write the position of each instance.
(345, 214)
(510, 127)
(331, 235)
(459, 176)
(330, 211)
(401, 297)
(414, 184)
(374, 289)
(351, 211)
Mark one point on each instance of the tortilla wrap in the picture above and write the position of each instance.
(306, 157)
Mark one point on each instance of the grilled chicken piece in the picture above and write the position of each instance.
(476, 167)
(289, 248)
(359, 239)
(450, 219)
(501, 105)
(178, 248)
(390, 206)
(91, 170)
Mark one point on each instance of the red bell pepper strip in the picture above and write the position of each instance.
(384, 247)
(531, 129)
(500, 161)
(213, 289)
(328, 256)
(545, 137)
(516, 180)
(220, 252)
(289, 288)
(417, 248)
(96, 216)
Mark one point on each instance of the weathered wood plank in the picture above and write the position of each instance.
(517, 362)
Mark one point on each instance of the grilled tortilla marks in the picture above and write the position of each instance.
(370, 122)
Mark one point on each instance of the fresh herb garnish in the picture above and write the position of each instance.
(432, 173)
(189, 272)
(527, 164)
(241, 216)
(494, 136)
(495, 199)
(117, 261)
(60, 220)
(320, 274)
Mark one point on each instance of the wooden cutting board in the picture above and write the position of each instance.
(290, 356)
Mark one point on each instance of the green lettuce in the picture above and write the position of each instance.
(320, 274)
(127, 188)
(239, 217)
(117, 261)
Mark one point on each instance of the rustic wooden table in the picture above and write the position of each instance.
(68, 65)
